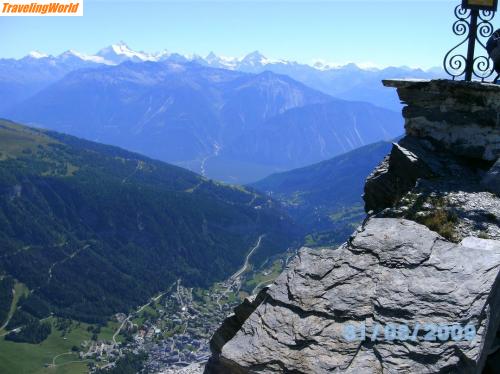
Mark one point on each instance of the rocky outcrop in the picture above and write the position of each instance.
(491, 180)
(234, 322)
(455, 198)
(448, 124)
(462, 117)
(394, 177)
(416, 288)
(393, 271)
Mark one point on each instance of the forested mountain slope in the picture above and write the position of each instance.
(93, 229)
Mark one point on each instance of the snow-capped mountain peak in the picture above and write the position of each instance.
(254, 56)
(257, 59)
(122, 48)
(72, 54)
(224, 62)
(211, 57)
(120, 52)
(253, 59)
(160, 56)
(37, 54)
(253, 62)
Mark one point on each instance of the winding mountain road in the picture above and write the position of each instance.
(245, 265)
(236, 276)
(134, 313)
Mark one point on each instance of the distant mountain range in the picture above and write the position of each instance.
(20, 79)
(305, 135)
(225, 124)
(326, 198)
(348, 82)
(93, 230)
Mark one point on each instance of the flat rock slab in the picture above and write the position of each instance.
(392, 271)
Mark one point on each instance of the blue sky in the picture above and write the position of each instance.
(403, 32)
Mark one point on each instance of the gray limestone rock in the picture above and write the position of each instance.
(461, 117)
(393, 178)
(392, 271)
(492, 178)
(427, 258)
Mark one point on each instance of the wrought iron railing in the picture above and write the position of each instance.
(476, 26)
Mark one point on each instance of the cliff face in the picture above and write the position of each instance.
(416, 288)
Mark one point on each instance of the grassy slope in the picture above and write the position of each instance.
(15, 139)
(20, 358)
(19, 290)
(17, 358)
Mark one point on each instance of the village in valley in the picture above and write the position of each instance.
(174, 328)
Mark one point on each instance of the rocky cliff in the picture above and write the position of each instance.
(416, 288)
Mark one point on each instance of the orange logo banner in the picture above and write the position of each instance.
(41, 8)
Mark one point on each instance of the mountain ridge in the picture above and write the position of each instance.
(108, 228)
(350, 81)
(121, 52)
(206, 119)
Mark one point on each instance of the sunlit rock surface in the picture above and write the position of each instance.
(427, 257)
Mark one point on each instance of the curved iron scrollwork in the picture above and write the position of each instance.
(476, 25)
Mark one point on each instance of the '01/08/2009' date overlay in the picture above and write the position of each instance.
(431, 332)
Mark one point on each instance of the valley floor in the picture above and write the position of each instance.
(173, 329)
